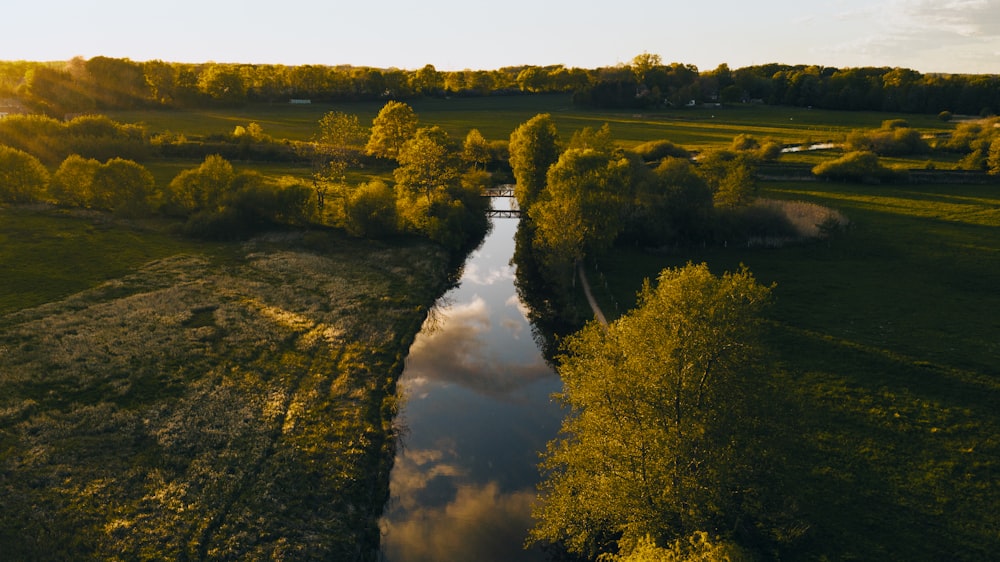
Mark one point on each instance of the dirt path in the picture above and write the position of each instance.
(590, 297)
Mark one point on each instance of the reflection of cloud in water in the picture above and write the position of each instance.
(515, 302)
(473, 274)
(479, 524)
(456, 351)
(414, 470)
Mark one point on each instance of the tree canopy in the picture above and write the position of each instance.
(395, 123)
(657, 441)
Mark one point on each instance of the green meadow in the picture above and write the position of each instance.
(885, 368)
(885, 356)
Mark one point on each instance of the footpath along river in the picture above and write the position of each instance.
(477, 412)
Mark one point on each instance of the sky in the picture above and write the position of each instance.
(951, 36)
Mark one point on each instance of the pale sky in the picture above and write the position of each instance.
(958, 36)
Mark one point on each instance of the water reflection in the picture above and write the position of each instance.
(478, 410)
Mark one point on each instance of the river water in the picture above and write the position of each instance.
(477, 412)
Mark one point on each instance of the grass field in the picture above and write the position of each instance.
(496, 118)
(886, 378)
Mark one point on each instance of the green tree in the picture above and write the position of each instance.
(580, 211)
(730, 175)
(534, 147)
(656, 440)
(395, 123)
(124, 187)
(72, 184)
(23, 178)
(675, 207)
(476, 150)
(222, 83)
(428, 162)
(333, 150)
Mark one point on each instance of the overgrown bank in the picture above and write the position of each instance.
(232, 405)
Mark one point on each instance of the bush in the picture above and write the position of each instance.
(370, 211)
(23, 178)
(860, 166)
(653, 151)
(895, 138)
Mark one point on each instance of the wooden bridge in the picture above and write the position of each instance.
(502, 191)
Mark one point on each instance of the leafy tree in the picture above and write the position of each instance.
(395, 123)
(656, 441)
(428, 162)
(72, 184)
(223, 84)
(534, 147)
(427, 81)
(676, 207)
(581, 210)
(335, 149)
(23, 177)
(599, 139)
(730, 175)
(476, 150)
(125, 187)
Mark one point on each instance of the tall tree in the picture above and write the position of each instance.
(334, 149)
(395, 123)
(580, 211)
(534, 147)
(428, 162)
(475, 150)
(655, 441)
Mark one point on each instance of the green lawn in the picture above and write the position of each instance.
(47, 255)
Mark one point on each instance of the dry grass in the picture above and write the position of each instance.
(199, 409)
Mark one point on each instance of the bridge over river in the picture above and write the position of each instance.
(505, 191)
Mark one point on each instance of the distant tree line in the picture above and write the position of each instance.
(83, 85)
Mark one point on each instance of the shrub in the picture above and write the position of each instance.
(653, 151)
(861, 166)
(895, 138)
(73, 182)
(370, 210)
(23, 178)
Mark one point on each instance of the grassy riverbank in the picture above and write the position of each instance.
(885, 377)
(187, 401)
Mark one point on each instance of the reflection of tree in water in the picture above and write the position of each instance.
(552, 313)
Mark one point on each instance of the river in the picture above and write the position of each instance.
(477, 412)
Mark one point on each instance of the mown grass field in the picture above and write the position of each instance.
(886, 375)
(496, 118)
